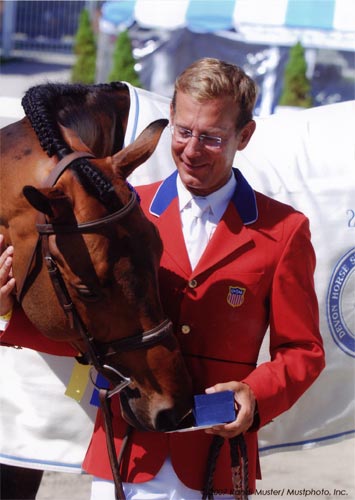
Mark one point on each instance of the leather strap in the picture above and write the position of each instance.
(62, 165)
(114, 461)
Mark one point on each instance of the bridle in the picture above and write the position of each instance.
(99, 354)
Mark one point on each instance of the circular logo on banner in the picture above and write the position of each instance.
(340, 303)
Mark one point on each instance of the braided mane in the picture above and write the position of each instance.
(80, 108)
(71, 105)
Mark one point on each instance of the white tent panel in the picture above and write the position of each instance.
(161, 15)
(344, 16)
(271, 13)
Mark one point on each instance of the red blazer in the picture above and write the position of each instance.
(256, 272)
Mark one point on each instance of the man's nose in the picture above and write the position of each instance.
(193, 146)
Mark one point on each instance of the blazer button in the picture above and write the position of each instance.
(192, 283)
(185, 329)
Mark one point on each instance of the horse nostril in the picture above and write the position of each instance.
(187, 421)
(171, 420)
(166, 420)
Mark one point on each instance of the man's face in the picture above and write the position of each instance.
(203, 168)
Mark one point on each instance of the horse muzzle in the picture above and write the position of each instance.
(144, 415)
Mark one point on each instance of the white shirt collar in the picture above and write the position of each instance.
(218, 200)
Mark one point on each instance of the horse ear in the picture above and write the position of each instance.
(38, 199)
(127, 160)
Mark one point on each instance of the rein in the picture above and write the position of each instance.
(239, 467)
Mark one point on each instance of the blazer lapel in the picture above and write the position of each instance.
(169, 225)
(230, 235)
(165, 206)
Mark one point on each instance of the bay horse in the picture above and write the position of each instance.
(68, 210)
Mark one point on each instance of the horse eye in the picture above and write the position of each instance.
(87, 294)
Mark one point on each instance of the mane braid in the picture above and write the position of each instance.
(96, 184)
(40, 106)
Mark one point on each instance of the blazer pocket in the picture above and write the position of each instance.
(249, 279)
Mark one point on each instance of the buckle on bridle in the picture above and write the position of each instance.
(125, 381)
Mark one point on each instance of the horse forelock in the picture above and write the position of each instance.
(87, 109)
(97, 120)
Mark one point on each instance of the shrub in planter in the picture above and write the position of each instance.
(296, 89)
(123, 61)
(84, 68)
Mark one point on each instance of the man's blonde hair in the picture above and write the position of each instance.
(210, 78)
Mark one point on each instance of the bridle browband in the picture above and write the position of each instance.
(88, 227)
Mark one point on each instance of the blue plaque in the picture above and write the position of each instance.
(213, 409)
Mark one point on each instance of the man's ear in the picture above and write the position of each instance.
(171, 113)
(245, 134)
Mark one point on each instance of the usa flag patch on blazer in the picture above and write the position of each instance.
(235, 297)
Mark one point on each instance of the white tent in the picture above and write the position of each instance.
(167, 35)
(329, 22)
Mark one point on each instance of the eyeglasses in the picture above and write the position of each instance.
(183, 135)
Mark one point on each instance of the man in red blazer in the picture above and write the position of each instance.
(254, 271)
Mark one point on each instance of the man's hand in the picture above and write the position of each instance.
(7, 281)
(245, 404)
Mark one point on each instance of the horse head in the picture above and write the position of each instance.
(106, 254)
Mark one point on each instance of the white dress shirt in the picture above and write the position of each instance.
(217, 201)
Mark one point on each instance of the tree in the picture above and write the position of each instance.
(123, 61)
(296, 90)
(84, 69)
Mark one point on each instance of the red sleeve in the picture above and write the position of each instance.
(21, 332)
(296, 347)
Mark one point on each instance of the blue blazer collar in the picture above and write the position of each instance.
(243, 198)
